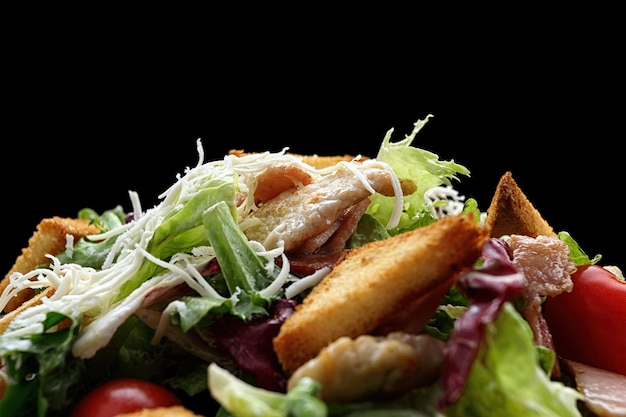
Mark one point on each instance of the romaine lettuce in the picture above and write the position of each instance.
(506, 378)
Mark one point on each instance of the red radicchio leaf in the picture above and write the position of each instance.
(487, 288)
(250, 344)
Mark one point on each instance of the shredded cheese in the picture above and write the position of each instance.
(396, 214)
(280, 280)
(306, 282)
(444, 201)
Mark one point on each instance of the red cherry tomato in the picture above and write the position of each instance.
(123, 396)
(588, 324)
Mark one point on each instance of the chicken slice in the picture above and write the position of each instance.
(373, 367)
(299, 214)
(333, 240)
(277, 179)
(545, 262)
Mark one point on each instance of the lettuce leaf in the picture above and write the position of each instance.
(241, 399)
(43, 375)
(418, 165)
(92, 253)
(506, 378)
(577, 254)
(183, 228)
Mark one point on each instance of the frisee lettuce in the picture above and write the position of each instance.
(422, 167)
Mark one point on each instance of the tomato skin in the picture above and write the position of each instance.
(588, 324)
(122, 396)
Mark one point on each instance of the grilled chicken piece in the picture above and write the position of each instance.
(545, 262)
(299, 214)
(371, 367)
(546, 265)
(277, 179)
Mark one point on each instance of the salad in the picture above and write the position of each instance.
(191, 293)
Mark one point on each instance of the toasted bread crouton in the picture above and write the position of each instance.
(6, 319)
(393, 284)
(318, 162)
(510, 212)
(173, 411)
(315, 161)
(48, 239)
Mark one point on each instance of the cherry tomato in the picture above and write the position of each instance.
(123, 396)
(588, 324)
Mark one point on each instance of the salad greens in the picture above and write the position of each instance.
(505, 380)
(195, 239)
(509, 375)
(246, 400)
(90, 253)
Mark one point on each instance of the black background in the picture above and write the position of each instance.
(87, 122)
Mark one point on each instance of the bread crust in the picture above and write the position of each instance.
(510, 212)
(393, 284)
(316, 161)
(49, 238)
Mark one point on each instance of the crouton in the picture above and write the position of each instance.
(510, 212)
(383, 286)
(48, 239)
(316, 161)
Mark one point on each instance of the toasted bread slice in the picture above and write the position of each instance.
(393, 284)
(510, 212)
(316, 161)
(48, 239)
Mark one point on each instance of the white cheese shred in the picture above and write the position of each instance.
(396, 214)
(279, 281)
(164, 321)
(307, 282)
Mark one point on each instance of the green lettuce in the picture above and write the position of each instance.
(238, 398)
(42, 373)
(93, 253)
(507, 378)
(183, 228)
(245, 273)
(577, 254)
(201, 214)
